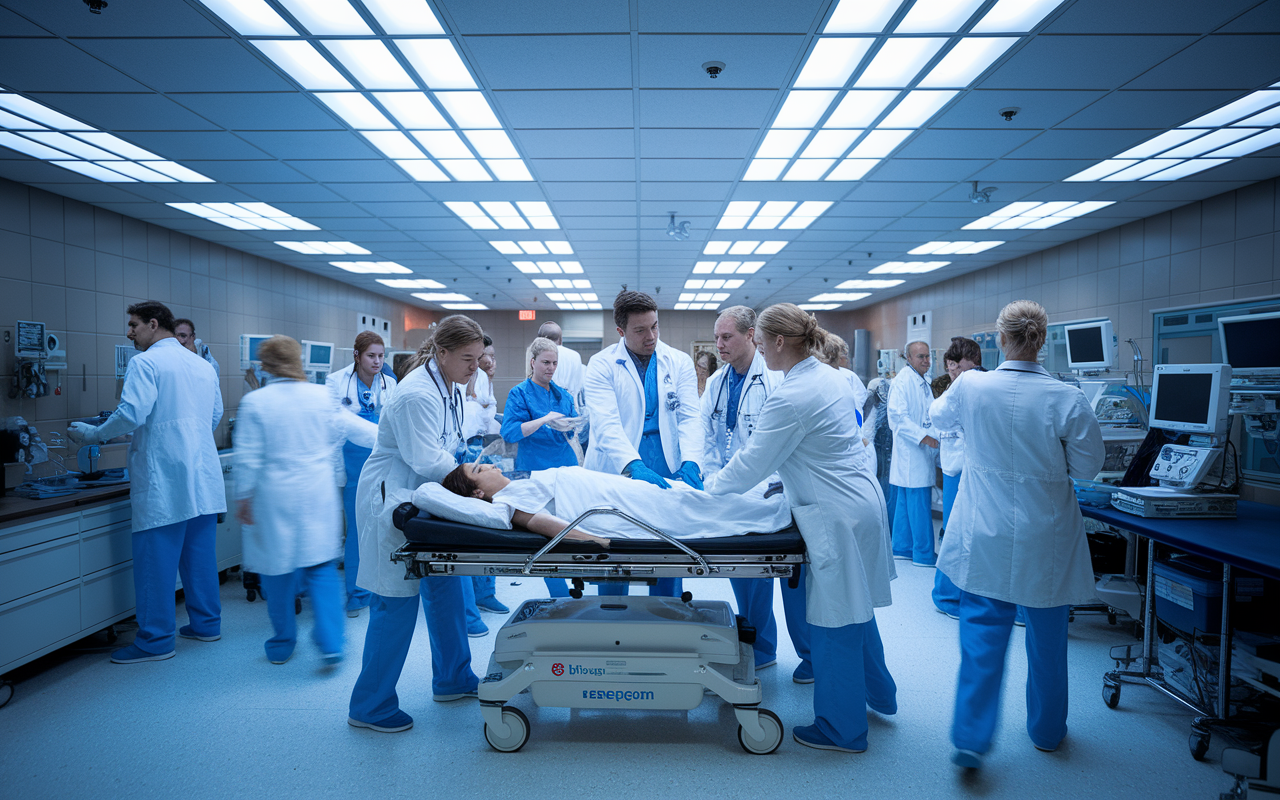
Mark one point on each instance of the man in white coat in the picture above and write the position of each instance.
(643, 398)
(915, 453)
(569, 372)
(731, 405)
(175, 485)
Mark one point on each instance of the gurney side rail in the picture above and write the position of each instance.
(528, 565)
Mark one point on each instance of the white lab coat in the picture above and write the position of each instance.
(345, 385)
(417, 437)
(569, 372)
(481, 409)
(807, 432)
(168, 403)
(288, 456)
(615, 399)
(758, 385)
(913, 463)
(1016, 533)
(859, 389)
(951, 451)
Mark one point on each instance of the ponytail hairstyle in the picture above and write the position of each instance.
(1024, 324)
(791, 322)
(450, 333)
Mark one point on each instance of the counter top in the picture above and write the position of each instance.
(17, 509)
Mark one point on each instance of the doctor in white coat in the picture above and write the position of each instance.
(731, 405)
(643, 400)
(806, 433)
(175, 485)
(913, 470)
(1027, 436)
(419, 440)
(288, 464)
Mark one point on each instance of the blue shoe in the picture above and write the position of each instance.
(395, 723)
(966, 758)
(810, 736)
(929, 564)
(480, 632)
(884, 712)
(942, 610)
(136, 655)
(354, 605)
(449, 698)
(803, 673)
(331, 658)
(902, 556)
(187, 633)
(768, 662)
(492, 605)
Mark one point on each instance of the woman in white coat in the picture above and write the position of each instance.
(807, 432)
(419, 440)
(288, 455)
(1016, 536)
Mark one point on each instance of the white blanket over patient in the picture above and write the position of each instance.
(680, 512)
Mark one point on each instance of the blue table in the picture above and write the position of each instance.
(1250, 542)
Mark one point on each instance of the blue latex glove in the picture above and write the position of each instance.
(636, 470)
(690, 474)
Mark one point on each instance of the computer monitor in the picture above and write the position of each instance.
(1191, 398)
(1251, 343)
(249, 344)
(317, 356)
(1089, 345)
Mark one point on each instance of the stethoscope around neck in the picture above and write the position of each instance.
(454, 404)
(755, 380)
(366, 401)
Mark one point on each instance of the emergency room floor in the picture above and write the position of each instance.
(219, 721)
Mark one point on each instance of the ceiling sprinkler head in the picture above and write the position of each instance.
(1009, 113)
(95, 6)
(713, 69)
(678, 232)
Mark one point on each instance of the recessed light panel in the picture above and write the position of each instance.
(371, 267)
(1034, 216)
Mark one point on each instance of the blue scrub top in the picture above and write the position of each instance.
(547, 447)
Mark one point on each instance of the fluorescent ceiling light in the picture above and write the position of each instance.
(1158, 144)
(531, 268)
(916, 109)
(471, 214)
(371, 63)
(727, 267)
(766, 169)
(507, 248)
(442, 297)
(898, 62)
(830, 143)
(717, 248)
(468, 109)
(40, 113)
(770, 248)
(410, 283)
(250, 17)
(1088, 207)
(861, 16)
(1015, 16)
(704, 267)
(781, 143)
(539, 214)
(404, 17)
(438, 63)
(869, 284)
(947, 248)
(443, 144)
(811, 169)
(412, 110)
(95, 171)
(16, 123)
(1210, 141)
(818, 306)
(1249, 104)
(1251, 145)
(464, 306)
(1265, 119)
(744, 248)
(1043, 222)
(303, 63)
(141, 173)
(1014, 209)
(542, 283)
(560, 248)
(116, 145)
(533, 248)
(937, 16)
(803, 108)
(908, 267)
(371, 267)
(300, 247)
(838, 297)
(878, 144)
(328, 17)
(509, 169)
(393, 144)
(1102, 169)
(356, 110)
(422, 170)
(806, 214)
(746, 208)
(34, 149)
(195, 209)
(67, 144)
(831, 63)
(1142, 169)
(1186, 168)
(966, 61)
(178, 172)
(852, 169)
(492, 144)
(859, 108)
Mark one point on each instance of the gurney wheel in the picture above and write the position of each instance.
(1111, 694)
(772, 735)
(519, 725)
(1198, 741)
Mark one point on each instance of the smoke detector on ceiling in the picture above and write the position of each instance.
(981, 195)
(713, 69)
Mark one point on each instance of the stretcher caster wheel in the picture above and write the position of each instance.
(519, 724)
(772, 735)
(1111, 618)
(250, 595)
(576, 594)
(686, 597)
(6, 693)
(1198, 741)
(1111, 694)
(222, 577)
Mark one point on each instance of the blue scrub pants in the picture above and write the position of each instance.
(946, 595)
(557, 587)
(985, 625)
(485, 587)
(386, 645)
(913, 525)
(160, 556)
(850, 675)
(475, 623)
(357, 598)
(755, 604)
(321, 584)
(890, 498)
(799, 630)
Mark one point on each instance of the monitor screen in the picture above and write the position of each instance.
(1184, 398)
(1252, 343)
(1085, 344)
(255, 342)
(321, 354)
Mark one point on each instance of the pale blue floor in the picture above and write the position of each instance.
(219, 721)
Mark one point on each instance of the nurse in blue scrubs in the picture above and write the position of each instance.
(360, 390)
(535, 416)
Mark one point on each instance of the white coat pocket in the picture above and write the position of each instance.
(816, 532)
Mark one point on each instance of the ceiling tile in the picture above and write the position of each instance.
(706, 108)
(289, 192)
(574, 109)
(247, 171)
(577, 143)
(134, 18)
(584, 169)
(744, 16)
(1217, 62)
(569, 208)
(126, 112)
(383, 192)
(1082, 62)
(53, 65)
(591, 191)
(898, 191)
(981, 109)
(1032, 170)
(312, 144)
(935, 143)
(668, 143)
(352, 171)
(931, 169)
(205, 146)
(1096, 145)
(291, 111)
(15, 25)
(521, 16)
(182, 65)
(1264, 17)
(1158, 110)
(552, 62)
(690, 169)
(751, 62)
(1145, 16)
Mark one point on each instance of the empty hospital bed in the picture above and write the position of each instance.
(610, 652)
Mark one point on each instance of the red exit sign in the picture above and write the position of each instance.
(528, 315)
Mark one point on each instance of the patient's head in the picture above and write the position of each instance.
(470, 480)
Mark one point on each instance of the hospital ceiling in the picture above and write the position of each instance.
(577, 127)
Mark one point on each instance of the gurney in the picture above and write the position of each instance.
(610, 652)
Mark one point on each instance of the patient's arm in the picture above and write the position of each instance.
(549, 525)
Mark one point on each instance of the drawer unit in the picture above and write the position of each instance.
(113, 514)
(34, 623)
(106, 547)
(34, 569)
(26, 534)
(106, 595)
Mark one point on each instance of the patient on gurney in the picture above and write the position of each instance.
(543, 502)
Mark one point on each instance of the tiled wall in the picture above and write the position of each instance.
(76, 268)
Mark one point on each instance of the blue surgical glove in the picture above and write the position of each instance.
(690, 474)
(636, 470)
